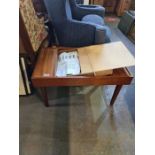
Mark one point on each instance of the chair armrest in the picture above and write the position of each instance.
(75, 33)
(82, 10)
(100, 34)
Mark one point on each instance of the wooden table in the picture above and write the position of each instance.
(44, 76)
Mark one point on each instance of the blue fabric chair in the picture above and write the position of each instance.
(79, 1)
(77, 25)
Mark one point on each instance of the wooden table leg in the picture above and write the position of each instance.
(45, 96)
(115, 94)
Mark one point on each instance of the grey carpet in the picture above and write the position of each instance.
(117, 35)
(80, 121)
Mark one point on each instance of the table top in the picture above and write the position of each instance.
(44, 73)
(104, 57)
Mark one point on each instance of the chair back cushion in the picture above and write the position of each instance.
(68, 10)
(34, 26)
(58, 10)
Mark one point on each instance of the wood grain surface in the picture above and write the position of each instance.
(44, 74)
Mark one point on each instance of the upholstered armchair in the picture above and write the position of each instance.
(79, 1)
(31, 26)
(77, 25)
(80, 10)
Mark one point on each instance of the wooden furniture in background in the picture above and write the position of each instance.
(26, 59)
(109, 5)
(39, 6)
(44, 75)
(112, 6)
(132, 33)
(127, 24)
(123, 6)
(96, 2)
(24, 40)
(132, 7)
(32, 36)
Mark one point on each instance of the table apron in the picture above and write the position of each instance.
(47, 82)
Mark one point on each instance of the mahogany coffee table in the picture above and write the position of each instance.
(44, 75)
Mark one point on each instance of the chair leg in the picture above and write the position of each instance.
(45, 96)
(115, 94)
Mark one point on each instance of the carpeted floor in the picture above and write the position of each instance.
(80, 121)
(117, 35)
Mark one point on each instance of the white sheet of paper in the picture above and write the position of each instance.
(68, 64)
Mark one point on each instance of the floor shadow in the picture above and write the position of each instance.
(95, 124)
(60, 135)
(112, 119)
(130, 100)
